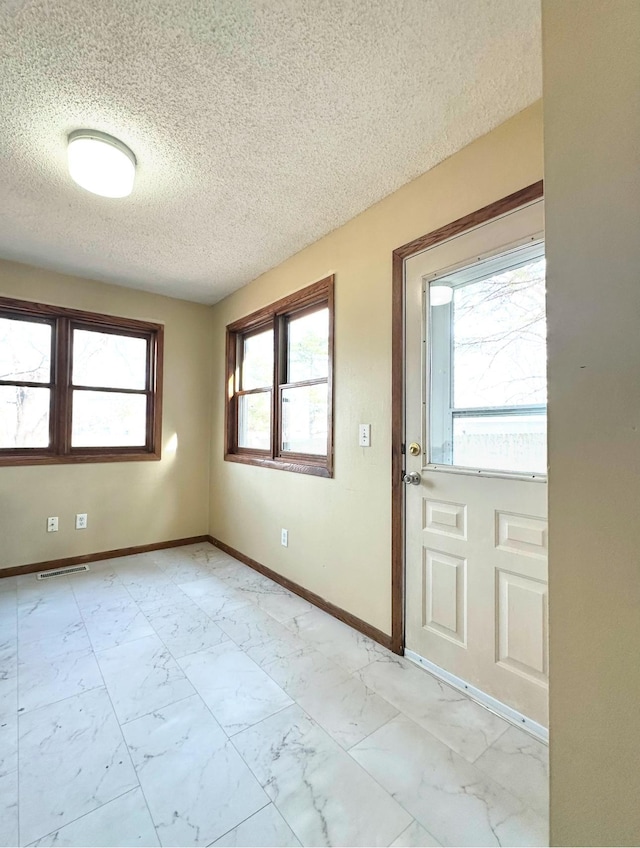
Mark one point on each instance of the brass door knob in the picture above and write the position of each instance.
(415, 449)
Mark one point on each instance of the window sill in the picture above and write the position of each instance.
(533, 476)
(322, 469)
(67, 459)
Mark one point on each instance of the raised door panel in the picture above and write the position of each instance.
(445, 595)
(521, 625)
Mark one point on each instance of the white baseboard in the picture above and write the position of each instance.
(504, 711)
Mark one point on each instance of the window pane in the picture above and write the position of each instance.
(308, 354)
(499, 339)
(24, 417)
(487, 336)
(25, 351)
(254, 421)
(108, 419)
(304, 419)
(257, 361)
(105, 359)
(501, 442)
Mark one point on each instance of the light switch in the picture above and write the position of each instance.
(364, 435)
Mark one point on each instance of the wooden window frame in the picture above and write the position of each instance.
(276, 316)
(63, 322)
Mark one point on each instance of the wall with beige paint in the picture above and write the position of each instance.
(128, 503)
(339, 529)
(591, 60)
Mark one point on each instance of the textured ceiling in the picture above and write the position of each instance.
(258, 125)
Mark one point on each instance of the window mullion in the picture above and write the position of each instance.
(53, 401)
(62, 400)
(279, 339)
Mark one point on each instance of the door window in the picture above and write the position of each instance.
(487, 364)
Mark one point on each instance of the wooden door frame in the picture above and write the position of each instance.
(400, 254)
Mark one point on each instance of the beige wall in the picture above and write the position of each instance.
(339, 529)
(592, 188)
(128, 503)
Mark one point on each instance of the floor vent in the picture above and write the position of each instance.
(59, 572)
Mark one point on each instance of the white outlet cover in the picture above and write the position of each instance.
(284, 538)
(52, 524)
(81, 521)
(364, 435)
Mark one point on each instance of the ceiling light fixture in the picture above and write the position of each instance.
(100, 163)
(440, 295)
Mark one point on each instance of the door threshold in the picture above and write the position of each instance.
(503, 710)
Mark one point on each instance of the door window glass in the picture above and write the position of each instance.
(487, 335)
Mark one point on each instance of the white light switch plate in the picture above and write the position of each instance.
(364, 435)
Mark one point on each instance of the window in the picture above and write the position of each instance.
(279, 379)
(77, 387)
(488, 390)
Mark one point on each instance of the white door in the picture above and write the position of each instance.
(475, 436)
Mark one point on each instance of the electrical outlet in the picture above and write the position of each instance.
(52, 524)
(364, 435)
(284, 538)
(81, 521)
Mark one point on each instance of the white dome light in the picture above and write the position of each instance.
(440, 295)
(100, 163)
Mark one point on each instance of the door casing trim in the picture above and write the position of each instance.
(400, 254)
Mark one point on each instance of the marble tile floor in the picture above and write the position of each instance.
(180, 698)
